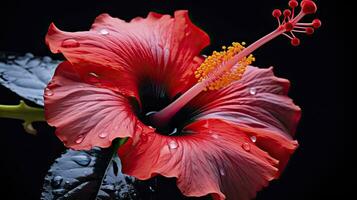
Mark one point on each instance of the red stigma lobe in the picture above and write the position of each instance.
(290, 24)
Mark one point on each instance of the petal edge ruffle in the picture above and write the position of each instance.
(85, 115)
(158, 47)
(213, 160)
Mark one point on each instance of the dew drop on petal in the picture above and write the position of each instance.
(93, 78)
(70, 43)
(253, 138)
(48, 92)
(79, 139)
(104, 31)
(173, 145)
(103, 134)
(222, 172)
(215, 136)
(253, 91)
(56, 181)
(246, 146)
(93, 74)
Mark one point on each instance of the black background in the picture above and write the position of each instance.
(314, 69)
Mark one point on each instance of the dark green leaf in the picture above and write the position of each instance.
(27, 75)
(94, 174)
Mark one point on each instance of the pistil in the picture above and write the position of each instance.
(222, 68)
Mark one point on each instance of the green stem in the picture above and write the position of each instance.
(23, 112)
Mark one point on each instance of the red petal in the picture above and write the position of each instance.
(157, 47)
(217, 159)
(259, 100)
(258, 103)
(85, 115)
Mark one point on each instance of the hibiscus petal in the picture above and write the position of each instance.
(259, 104)
(216, 158)
(85, 115)
(158, 47)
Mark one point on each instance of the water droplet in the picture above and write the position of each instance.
(253, 91)
(93, 74)
(222, 172)
(104, 32)
(246, 146)
(48, 92)
(173, 145)
(56, 181)
(215, 136)
(29, 55)
(103, 134)
(253, 138)
(66, 184)
(46, 59)
(82, 160)
(8, 78)
(70, 43)
(33, 63)
(93, 78)
(79, 139)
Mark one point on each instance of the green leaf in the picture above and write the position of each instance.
(26, 75)
(93, 174)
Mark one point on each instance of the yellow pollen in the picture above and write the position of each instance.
(214, 61)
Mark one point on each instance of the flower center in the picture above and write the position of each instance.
(154, 97)
(222, 68)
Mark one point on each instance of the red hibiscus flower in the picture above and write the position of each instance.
(229, 141)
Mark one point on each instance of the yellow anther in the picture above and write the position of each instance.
(215, 61)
